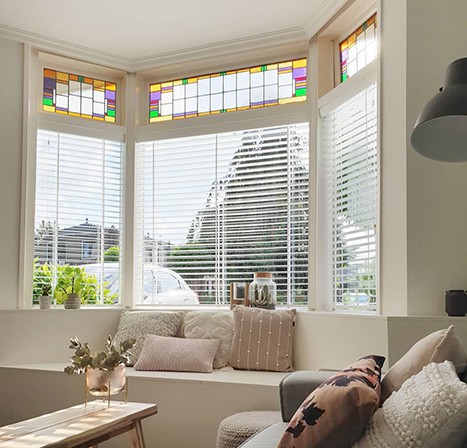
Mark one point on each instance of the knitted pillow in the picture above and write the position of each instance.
(138, 324)
(211, 325)
(177, 354)
(442, 345)
(336, 413)
(429, 410)
(262, 339)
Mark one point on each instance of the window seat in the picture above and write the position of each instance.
(199, 400)
(225, 376)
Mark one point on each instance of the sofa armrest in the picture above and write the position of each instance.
(294, 388)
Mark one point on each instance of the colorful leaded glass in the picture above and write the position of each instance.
(79, 96)
(246, 88)
(358, 49)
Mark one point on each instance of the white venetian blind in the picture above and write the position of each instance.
(78, 212)
(216, 208)
(350, 170)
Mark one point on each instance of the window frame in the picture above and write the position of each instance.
(284, 114)
(34, 118)
(343, 92)
(344, 32)
(214, 136)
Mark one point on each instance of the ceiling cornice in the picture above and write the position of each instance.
(64, 48)
(275, 40)
(321, 16)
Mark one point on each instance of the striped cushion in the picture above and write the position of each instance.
(262, 339)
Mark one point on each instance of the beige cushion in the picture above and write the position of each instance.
(177, 354)
(336, 413)
(262, 339)
(439, 346)
(429, 410)
(138, 324)
(211, 325)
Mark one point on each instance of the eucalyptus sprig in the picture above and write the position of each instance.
(103, 360)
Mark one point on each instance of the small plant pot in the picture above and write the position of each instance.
(44, 302)
(73, 302)
(98, 381)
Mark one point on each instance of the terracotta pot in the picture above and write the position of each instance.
(73, 302)
(97, 381)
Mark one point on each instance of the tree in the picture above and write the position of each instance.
(112, 254)
(256, 216)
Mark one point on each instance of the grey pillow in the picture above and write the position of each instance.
(138, 324)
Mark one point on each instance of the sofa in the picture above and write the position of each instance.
(420, 401)
(293, 389)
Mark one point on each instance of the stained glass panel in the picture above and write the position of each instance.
(79, 96)
(358, 49)
(246, 88)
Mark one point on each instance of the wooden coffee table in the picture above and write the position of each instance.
(80, 426)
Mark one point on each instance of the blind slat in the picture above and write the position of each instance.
(217, 208)
(350, 165)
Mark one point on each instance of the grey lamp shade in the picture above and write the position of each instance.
(440, 132)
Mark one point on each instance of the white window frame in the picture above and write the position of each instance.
(35, 118)
(346, 31)
(343, 92)
(263, 117)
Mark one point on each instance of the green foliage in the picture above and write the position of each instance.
(73, 279)
(69, 279)
(112, 254)
(104, 360)
(42, 280)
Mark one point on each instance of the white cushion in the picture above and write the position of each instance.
(429, 410)
(212, 325)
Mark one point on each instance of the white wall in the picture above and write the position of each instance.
(11, 109)
(393, 213)
(436, 192)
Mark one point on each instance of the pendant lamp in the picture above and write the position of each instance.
(440, 132)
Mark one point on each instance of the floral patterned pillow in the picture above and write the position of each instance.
(336, 413)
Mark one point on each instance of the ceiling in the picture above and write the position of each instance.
(139, 29)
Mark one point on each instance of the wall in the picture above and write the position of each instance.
(436, 191)
(11, 110)
(321, 340)
(32, 336)
(393, 202)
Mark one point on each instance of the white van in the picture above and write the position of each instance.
(161, 286)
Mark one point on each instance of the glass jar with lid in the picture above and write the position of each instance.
(262, 292)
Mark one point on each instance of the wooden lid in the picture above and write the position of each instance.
(263, 275)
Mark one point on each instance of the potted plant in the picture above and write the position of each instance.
(105, 370)
(75, 286)
(70, 282)
(42, 284)
(44, 299)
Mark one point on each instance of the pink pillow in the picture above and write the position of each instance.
(177, 354)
